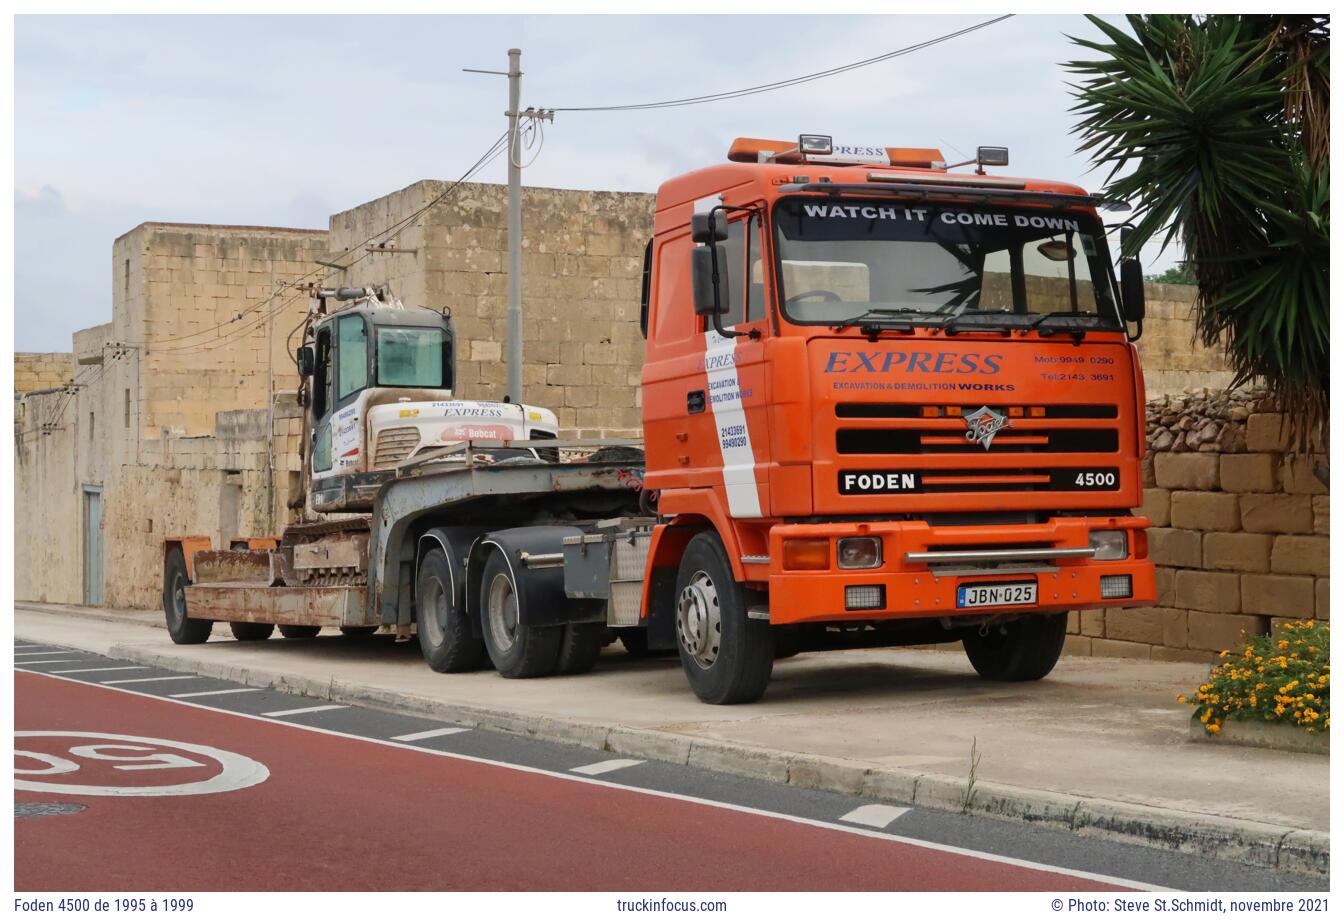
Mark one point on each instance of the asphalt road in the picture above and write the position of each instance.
(130, 777)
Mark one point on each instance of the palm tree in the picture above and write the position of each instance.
(1216, 128)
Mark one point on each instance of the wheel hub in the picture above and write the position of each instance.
(699, 624)
(180, 597)
(502, 611)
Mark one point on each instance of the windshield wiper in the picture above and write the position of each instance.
(902, 319)
(1081, 322)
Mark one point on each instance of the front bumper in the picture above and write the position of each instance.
(913, 589)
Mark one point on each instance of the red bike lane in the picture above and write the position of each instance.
(336, 813)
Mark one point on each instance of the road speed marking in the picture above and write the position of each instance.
(134, 753)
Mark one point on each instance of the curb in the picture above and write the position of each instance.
(1253, 843)
(1274, 736)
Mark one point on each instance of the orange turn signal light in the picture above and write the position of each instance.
(807, 553)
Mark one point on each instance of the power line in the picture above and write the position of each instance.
(781, 84)
(235, 334)
(157, 344)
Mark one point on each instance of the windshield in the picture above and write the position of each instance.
(410, 357)
(841, 260)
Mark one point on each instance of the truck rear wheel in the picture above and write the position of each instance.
(726, 655)
(444, 631)
(252, 632)
(1024, 649)
(181, 630)
(579, 647)
(300, 632)
(515, 649)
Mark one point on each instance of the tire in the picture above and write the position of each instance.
(636, 642)
(727, 656)
(443, 629)
(181, 630)
(580, 646)
(1024, 649)
(252, 632)
(300, 632)
(358, 632)
(516, 650)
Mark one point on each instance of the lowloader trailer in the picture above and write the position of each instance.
(884, 404)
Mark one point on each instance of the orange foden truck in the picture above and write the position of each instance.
(884, 404)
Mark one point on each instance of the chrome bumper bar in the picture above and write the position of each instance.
(941, 557)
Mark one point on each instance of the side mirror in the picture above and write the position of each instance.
(307, 361)
(700, 232)
(710, 299)
(1131, 290)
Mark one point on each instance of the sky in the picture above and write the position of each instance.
(284, 120)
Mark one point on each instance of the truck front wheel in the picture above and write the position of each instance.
(180, 629)
(443, 630)
(1024, 649)
(517, 650)
(726, 655)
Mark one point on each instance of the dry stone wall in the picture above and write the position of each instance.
(1240, 536)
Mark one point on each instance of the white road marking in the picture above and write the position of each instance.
(671, 796)
(299, 712)
(235, 770)
(147, 680)
(605, 766)
(432, 733)
(52, 651)
(50, 661)
(94, 670)
(34, 646)
(878, 816)
(183, 696)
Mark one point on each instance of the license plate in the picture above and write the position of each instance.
(1000, 594)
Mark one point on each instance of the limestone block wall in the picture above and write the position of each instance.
(41, 370)
(195, 304)
(1241, 534)
(583, 258)
(1172, 360)
(48, 533)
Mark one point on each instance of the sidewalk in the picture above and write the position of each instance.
(1100, 747)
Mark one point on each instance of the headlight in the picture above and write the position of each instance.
(1109, 544)
(859, 552)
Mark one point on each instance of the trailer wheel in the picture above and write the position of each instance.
(358, 632)
(726, 655)
(579, 647)
(445, 634)
(1024, 649)
(252, 632)
(516, 650)
(300, 632)
(181, 630)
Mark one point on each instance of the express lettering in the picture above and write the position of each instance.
(886, 362)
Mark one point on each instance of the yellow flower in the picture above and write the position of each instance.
(1214, 728)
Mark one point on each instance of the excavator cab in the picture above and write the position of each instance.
(377, 385)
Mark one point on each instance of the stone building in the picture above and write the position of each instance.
(138, 444)
(182, 419)
(583, 257)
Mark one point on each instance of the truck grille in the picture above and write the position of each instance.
(939, 429)
(394, 445)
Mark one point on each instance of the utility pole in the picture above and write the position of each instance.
(515, 218)
(513, 351)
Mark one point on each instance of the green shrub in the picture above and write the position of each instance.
(1283, 678)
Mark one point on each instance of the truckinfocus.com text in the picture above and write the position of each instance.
(659, 905)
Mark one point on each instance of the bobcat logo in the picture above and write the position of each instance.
(984, 423)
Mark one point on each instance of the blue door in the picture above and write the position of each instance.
(93, 546)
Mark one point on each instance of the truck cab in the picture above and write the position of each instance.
(891, 399)
(378, 389)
